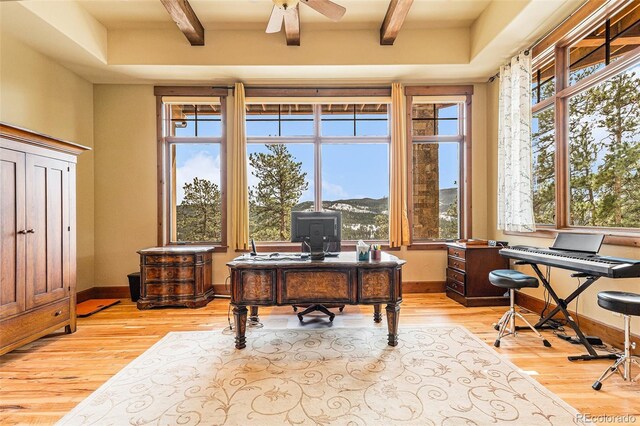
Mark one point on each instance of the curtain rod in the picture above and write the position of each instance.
(535, 43)
(497, 75)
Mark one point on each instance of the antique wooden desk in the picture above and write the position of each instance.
(334, 280)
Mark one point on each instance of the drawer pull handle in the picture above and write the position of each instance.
(24, 231)
(31, 231)
(57, 313)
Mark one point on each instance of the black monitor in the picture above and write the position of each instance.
(316, 228)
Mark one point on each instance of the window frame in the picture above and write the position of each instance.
(318, 140)
(556, 46)
(465, 141)
(164, 178)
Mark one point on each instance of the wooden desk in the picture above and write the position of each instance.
(334, 280)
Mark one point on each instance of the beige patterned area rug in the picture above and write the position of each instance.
(340, 376)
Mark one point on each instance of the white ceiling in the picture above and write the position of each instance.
(135, 41)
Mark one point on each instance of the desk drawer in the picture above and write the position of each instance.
(455, 286)
(299, 286)
(258, 286)
(457, 252)
(375, 285)
(457, 263)
(454, 275)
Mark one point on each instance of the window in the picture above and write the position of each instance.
(436, 158)
(302, 157)
(611, 40)
(586, 132)
(604, 153)
(543, 159)
(543, 82)
(193, 162)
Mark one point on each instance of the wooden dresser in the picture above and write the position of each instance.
(468, 275)
(37, 236)
(176, 276)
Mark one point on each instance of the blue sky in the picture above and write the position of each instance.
(348, 170)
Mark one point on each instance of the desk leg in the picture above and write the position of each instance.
(377, 315)
(393, 315)
(240, 320)
(253, 315)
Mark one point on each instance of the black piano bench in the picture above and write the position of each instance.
(512, 280)
(627, 304)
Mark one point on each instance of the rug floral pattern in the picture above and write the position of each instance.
(435, 376)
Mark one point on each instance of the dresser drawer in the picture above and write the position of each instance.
(168, 259)
(168, 273)
(457, 263)
(454, 275)
(457, 252)
(455, 286)
(39, 319)
(166, 290)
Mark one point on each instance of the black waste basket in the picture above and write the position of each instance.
(134, 285)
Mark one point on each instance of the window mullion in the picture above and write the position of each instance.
(317, 157)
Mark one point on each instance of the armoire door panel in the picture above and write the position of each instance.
(47, 230)
(12, 236)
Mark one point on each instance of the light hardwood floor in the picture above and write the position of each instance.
(40, 382)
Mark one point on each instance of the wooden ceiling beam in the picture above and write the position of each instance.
(393, 20)
(186, 19)
(292, 26)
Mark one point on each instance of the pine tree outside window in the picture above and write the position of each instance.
(193, 132)
(586, 127)
(311, 157)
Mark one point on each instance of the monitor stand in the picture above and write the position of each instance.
(316, 242)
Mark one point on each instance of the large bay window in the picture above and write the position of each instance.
(191, 159)
(586, 126)
(318, 156)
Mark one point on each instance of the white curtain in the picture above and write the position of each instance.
(515, 189)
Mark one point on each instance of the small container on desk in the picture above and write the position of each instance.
(376, 252)
(363, 253)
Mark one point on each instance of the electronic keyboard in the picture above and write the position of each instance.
(587, 263)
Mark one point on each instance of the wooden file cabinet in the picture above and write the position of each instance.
(468, 275)
(176, 276)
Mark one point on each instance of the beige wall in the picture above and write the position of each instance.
(38, 94)
(563, 283)
(125, 186)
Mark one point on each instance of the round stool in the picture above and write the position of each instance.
(627, 304)
(512, 280)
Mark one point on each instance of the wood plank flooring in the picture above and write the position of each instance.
(42, 381)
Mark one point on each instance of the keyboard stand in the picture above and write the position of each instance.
(561, 306)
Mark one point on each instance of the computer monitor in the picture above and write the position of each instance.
(316, 228)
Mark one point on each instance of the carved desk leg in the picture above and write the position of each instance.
(377, 315)
(240, 320)
(393, 315)
(254, 319)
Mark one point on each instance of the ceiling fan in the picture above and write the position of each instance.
(282, 8)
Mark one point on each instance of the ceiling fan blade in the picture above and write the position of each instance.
(292, 26)
(327, 8)
(275, 20)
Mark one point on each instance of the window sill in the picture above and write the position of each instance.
(612, 237)
(216, 248)
(436, 245)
